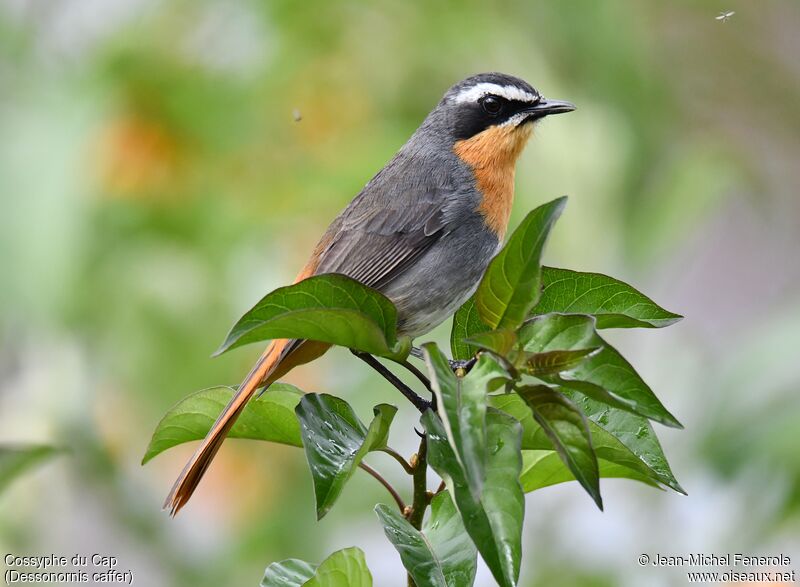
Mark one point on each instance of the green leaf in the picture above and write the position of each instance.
(510, 287)
(15, 460)
(543, 468)
(415, 550)
(269, 417)
(494, 522)
(466, 324)
(378, 431)
(605, 376)
(642, 455)
(613, 303)
(451, 543)
(441, 555)
(499, 342)
(554, 362)
(632, 431)
(336, 441)
(462, 408)
(567, 429)
(329, 308)
(289, 573)
(344, 568)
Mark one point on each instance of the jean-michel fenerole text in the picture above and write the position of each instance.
(720, 560)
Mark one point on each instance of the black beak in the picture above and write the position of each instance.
(547, 107)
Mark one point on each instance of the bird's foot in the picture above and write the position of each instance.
(462, 366)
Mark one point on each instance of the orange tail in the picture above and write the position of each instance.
(280, 357)
(185, 485)
(274, 363)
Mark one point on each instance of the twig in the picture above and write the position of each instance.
(385, 483)
(420, 403)
(399, 458)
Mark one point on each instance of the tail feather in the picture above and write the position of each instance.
(280, 357)
(189, 478)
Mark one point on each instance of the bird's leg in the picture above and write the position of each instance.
(420, 403)
(454, 365)
(425, 381)
(418, 374)
(463, 366)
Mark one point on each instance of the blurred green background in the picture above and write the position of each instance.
(154, 183)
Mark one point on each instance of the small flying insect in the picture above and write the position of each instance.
(725, 16)
(297, 115)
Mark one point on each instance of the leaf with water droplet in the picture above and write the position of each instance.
(633, 432)
(604, 375)
(441, 554)
(288, 573)
(613, 438)
(494, 521)
(568, 431)
(344, 568)
(336, 441)
(544, 468)
(462, 407)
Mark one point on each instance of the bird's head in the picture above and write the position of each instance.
(486, 120)
(493, 113)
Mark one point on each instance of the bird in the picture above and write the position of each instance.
(422, 231)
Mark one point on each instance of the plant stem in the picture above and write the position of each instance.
(420, 501)
(399, 458)
(399, 500)
(420, 403)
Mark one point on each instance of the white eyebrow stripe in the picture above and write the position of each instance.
(472, 94)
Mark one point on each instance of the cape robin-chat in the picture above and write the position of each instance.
(422, 231)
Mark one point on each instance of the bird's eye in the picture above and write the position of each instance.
(492, 105)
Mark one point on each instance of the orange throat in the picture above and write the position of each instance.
(493, 155)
